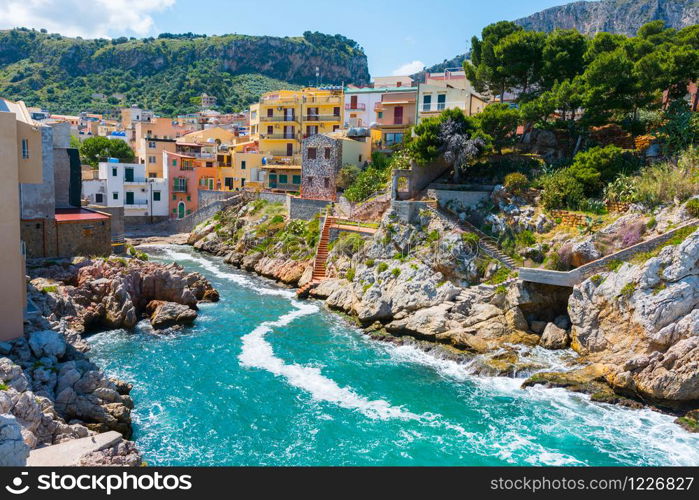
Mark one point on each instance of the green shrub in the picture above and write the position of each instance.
(4, 386)
(525, 239)
(613, 265)
(367, 183)
(395, 272)
(652, 222)
(516, 183)
(562, 190)
(366, 287)
(50, 289)
(348, 244)
(350, 274)
(369, 262)
(471, 239)
(627, 290)
(381, 267)
(597, 279)
(692, 207)
(347, 176)
(500, 276)
(433, 236)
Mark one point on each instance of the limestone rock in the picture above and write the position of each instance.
(167, 314)
(554, 337)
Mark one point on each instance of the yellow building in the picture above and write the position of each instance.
(21, 152)
(238, 169)
(282, 119)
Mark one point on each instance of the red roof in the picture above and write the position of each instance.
(78, 214)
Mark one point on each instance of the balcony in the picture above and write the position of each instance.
(322, 118)
(179, 189)
(292, 137)
(136, 180)
(360, 106)
(335, 99)
(283, 160)
(289, 119)
(136, 203)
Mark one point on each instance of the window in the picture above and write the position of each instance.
(129, 198)
(151, 144)
(270, 130)
(242, 165)
(99, 198)
(311, 130)
(441, 101)
(379, 115)
(156, 195)
(228, 182)
(151, 159)
(359, 159)
(283, 179)
(398, 115)
(336, 111)
(115, 195)
(114, 172)
(336, 127)
(151, 175)
(392, 139)
(426, 102)
(179, 184)
(25, 149)
(270, 112)
(311, 153)
(296, 179)
(326, 182)
(309, 180)
(174, 162)
(327, 153)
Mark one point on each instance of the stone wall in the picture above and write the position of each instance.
(207, 197)
(300, 208)
(118, 225)
(465, 199)
(408, 211)
(84, 238)
(39, 236)
(318, 174)
(39, 200)
(273, 197)
(418, 177)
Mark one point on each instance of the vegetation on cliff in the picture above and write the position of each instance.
(168, 74)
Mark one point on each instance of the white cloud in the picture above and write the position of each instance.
(409, 68)
(86, 18)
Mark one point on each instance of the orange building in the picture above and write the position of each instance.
(188, 172)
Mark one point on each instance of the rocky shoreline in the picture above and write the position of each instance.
(50, 391)
(633, 331)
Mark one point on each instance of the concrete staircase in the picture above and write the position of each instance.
(320, 260)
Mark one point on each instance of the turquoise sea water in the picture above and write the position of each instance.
(264, 379)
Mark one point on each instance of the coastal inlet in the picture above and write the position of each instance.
(263, 379)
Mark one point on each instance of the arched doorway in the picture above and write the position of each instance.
(180, 210)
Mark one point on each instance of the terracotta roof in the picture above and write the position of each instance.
(78, 214)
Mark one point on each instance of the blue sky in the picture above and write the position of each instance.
(394, 33)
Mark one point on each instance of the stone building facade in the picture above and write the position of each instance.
(321, 161)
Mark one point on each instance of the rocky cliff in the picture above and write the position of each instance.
(169, 73)
(614, 16)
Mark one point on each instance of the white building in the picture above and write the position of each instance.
(360, 106)
(126, 185)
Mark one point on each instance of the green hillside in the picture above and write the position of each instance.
(169, 73)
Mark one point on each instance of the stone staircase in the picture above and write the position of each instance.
(486, 243)
(321, 258)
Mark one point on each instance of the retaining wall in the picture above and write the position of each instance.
(467, 199)
(301, 208)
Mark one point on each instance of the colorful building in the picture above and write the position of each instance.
(186, 172)
(282, 119)
(448, 90)
(395, 114)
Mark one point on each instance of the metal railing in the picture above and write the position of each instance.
(360, 106)
(279, 119)
(322, 118)
(136, 203)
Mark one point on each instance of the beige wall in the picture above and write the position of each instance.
(157, 152)
(12, 269)
(351, 151)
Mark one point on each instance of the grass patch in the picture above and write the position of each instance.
(597, 279)
(627, 290)
(4, 386)
(382, 267)
(613, 265)
(395, 272)
(50, 289)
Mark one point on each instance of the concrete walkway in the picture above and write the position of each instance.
(69, 453)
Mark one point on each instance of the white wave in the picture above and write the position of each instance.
(258, 353)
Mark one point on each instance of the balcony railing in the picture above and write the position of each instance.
(294, 137)
(322, 100)
(179, 189)
(139, 203)
(360, 106)
(136, 180)
(322, 118)
(292, 119)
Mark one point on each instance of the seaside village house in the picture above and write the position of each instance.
(448, 90)
(240, 167)
(20, 147)
(125, 185)
(53, 223)
(282, 119)
(323, 155)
